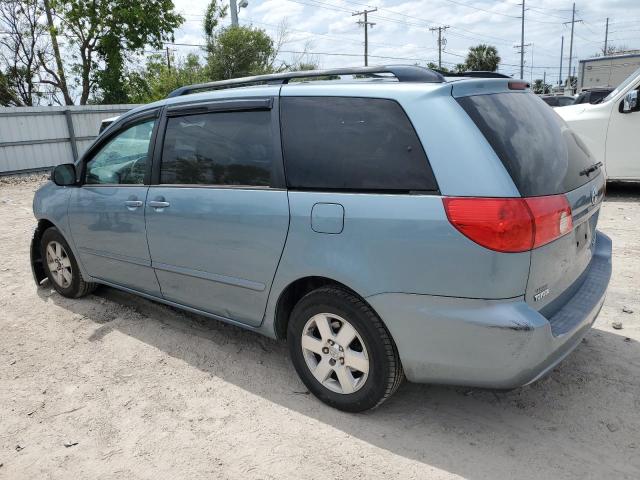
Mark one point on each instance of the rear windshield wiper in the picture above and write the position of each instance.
(587, 171)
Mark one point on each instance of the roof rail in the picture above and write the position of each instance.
(403, 73)
(474, 74)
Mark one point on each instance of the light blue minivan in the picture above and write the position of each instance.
(385, 221)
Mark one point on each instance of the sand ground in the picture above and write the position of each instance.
(116, 387)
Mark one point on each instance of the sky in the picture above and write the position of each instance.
(330, 34)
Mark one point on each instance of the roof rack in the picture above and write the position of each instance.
(403, 73)
(474, 74)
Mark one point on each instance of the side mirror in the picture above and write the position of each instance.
(630, 102)
(64, 175)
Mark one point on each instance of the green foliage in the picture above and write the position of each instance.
(212, 16)
(8, 97)
(239, 51)
(482, 58)
(157, 80)
(110, 80)
(540, 88)
(434, 66)
(303, 66)
(106, 29)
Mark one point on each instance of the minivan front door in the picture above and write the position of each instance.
(106, 213)
(218, 218)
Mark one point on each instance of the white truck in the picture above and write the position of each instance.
(609, 129)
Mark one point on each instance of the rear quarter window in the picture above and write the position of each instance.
(540, 152)
(357, 144)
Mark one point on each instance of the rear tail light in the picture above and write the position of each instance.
(510, 224)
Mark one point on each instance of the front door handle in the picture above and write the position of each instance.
(133, 204)
(158, 204)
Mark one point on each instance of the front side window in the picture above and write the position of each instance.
(359, 144)
(124, 159)
(223, 148)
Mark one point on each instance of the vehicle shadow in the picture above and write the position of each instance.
(622, 191)
(570, 418)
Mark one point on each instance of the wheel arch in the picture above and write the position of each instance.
(37, 268)
(297, 289)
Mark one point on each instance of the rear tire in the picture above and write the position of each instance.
(61, 267)
(342, 351)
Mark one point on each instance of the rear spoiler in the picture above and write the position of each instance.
(484, 86)
(473, 74)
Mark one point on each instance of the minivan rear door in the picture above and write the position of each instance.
(217, 212)
(544, 158)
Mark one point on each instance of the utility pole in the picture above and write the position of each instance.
(544, 82)
(441, 41)
(606, 37)
(522, 44)
(572, 22)
(521, 52)
(561, 54)
(234, 13)
(168, 60)
(366, 24)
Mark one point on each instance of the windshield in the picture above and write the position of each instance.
(623, 85)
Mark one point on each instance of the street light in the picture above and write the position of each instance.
(236, 9)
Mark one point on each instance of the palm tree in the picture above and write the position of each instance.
(482, 58)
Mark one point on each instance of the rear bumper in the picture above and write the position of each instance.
(491, 343)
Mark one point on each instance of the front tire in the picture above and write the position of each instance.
(61, 267)
(342, 351)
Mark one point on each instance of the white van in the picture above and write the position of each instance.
(609, 129)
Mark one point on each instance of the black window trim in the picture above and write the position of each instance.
(122, 125)
(426, 192)
(247, 104)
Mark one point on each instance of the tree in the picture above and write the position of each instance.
(539, 87)
(482, 58)
(157, 80)
(23, 47)
(106, 29)
(612, 50)
(212, 16)
(8, 97)
(240, 51)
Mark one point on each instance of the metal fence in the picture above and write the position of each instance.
(37, 138)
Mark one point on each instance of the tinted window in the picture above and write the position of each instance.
(353, 144)
(229, 148)
(564, 101)
(123, 160)
(541, 153)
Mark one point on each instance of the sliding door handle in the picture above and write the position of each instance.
(158, 204)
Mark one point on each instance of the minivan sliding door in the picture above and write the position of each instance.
(217, 218)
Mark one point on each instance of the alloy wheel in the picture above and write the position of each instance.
(59, 264)
(335, 353)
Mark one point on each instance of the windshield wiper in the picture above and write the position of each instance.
(589, 170)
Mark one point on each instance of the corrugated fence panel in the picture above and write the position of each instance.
(34, 138)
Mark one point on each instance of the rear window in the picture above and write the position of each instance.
(359, 144)
(540, 152)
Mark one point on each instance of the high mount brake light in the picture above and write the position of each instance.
(518, 85)
(510, 224)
